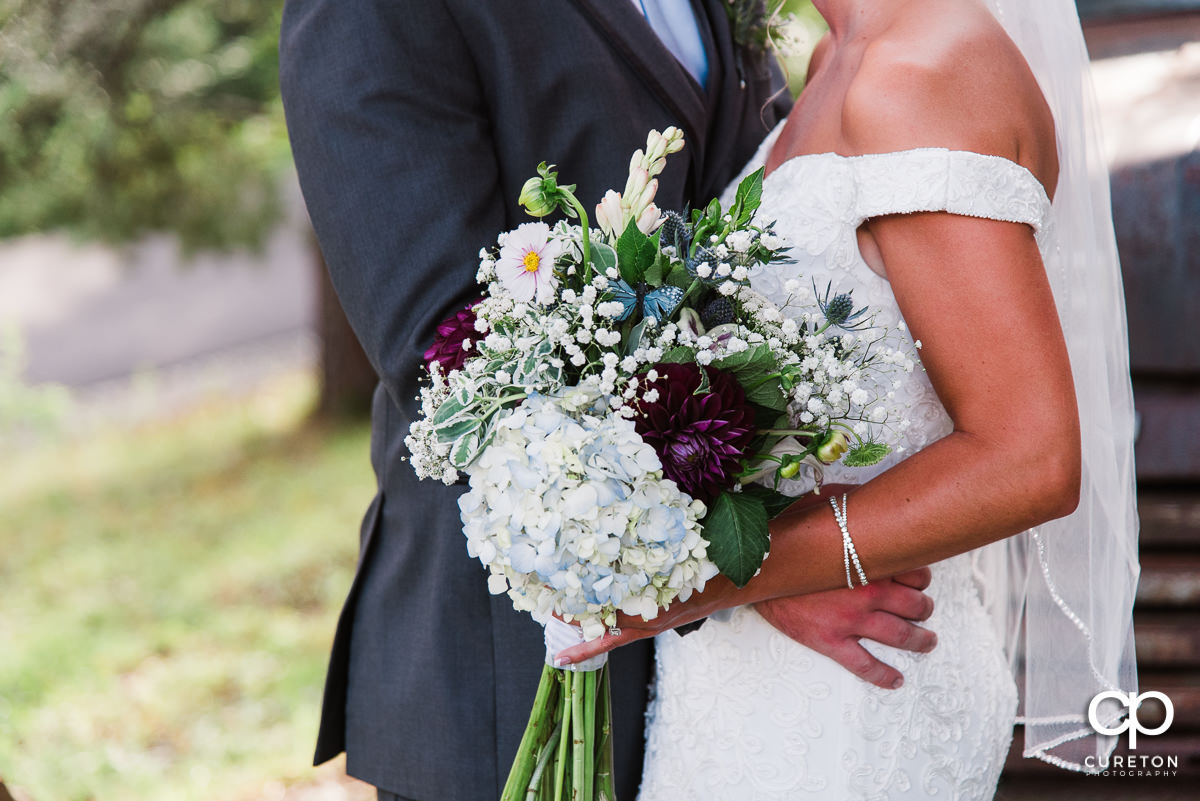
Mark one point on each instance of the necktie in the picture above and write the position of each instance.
(676, 25)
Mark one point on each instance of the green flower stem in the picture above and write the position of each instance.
(548, 749)
(589, 731)
(499, 403)
(560, 768)
(788, 432)
(579, 738)
(686, 294)
(587, 241)
(532, 741)
(847, 428)
(605, 783)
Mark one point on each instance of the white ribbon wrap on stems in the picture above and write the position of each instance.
(559, 637)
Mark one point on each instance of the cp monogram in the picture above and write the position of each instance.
(1131, 702)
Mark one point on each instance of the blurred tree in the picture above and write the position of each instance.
(122, 117)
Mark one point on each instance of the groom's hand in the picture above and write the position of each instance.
(832, 623)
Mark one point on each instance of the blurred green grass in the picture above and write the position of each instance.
(167, 600)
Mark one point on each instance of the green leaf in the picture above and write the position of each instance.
(678, 355)
(754, 368)
(635, 252)
(679, 276)
(603, 257)
(757, 358)
(657, 272)
(465, 451)
(450, 409)
(635, 337)
(749, 196)
(866, 454)
(767, 394)
(774, 502)
(737, 534)
(713, 212)
(457, 429)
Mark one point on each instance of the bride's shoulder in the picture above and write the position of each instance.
(950, 78)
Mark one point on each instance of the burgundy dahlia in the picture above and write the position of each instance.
(699, 438)
(447, 349)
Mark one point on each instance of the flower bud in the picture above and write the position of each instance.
(609, 214)
(644, 198)
(639, 178)
(656, 145)
(834, 447)
(689, 320)
(790, 468)
(649, 219)
(538, 202)
(636, 161)
(674, 139)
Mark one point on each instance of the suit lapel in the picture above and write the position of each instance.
(637, 43)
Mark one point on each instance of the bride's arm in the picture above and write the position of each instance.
(975, 293)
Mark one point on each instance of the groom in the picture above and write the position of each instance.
(414, 124)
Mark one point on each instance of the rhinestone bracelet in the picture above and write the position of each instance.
(849, 554)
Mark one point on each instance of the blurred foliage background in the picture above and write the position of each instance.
(170, 586)
(120, 117)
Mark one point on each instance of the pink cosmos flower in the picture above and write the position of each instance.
(526, 264)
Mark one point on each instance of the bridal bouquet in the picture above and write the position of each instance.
(625, 408)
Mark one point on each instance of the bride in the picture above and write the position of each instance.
(942, 164)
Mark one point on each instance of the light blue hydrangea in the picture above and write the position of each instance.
(570, 513)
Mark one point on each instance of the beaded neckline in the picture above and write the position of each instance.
(896, 154)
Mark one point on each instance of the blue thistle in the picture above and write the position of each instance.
(703, 256)
(676, 232)
(719, 311)
(840, 310)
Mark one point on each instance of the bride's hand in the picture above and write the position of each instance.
(719, 593)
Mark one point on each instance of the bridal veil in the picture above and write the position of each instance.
(1062, 594)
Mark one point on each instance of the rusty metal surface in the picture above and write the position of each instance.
(1106, 9)
(1169, 579)
(1184, 693)
(1156, 210)
(1147, 76)
(1170, 639)
(1170, 518)
(1168, 445)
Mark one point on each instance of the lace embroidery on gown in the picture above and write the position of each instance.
(741, 712)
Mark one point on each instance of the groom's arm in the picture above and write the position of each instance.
(391, 138)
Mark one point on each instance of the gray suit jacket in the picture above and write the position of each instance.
(414, 124)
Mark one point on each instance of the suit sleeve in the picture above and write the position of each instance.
(391, 138)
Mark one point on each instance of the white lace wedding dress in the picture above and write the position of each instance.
(741, 712)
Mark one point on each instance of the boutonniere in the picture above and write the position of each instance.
(749, 21)
(760, 25)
